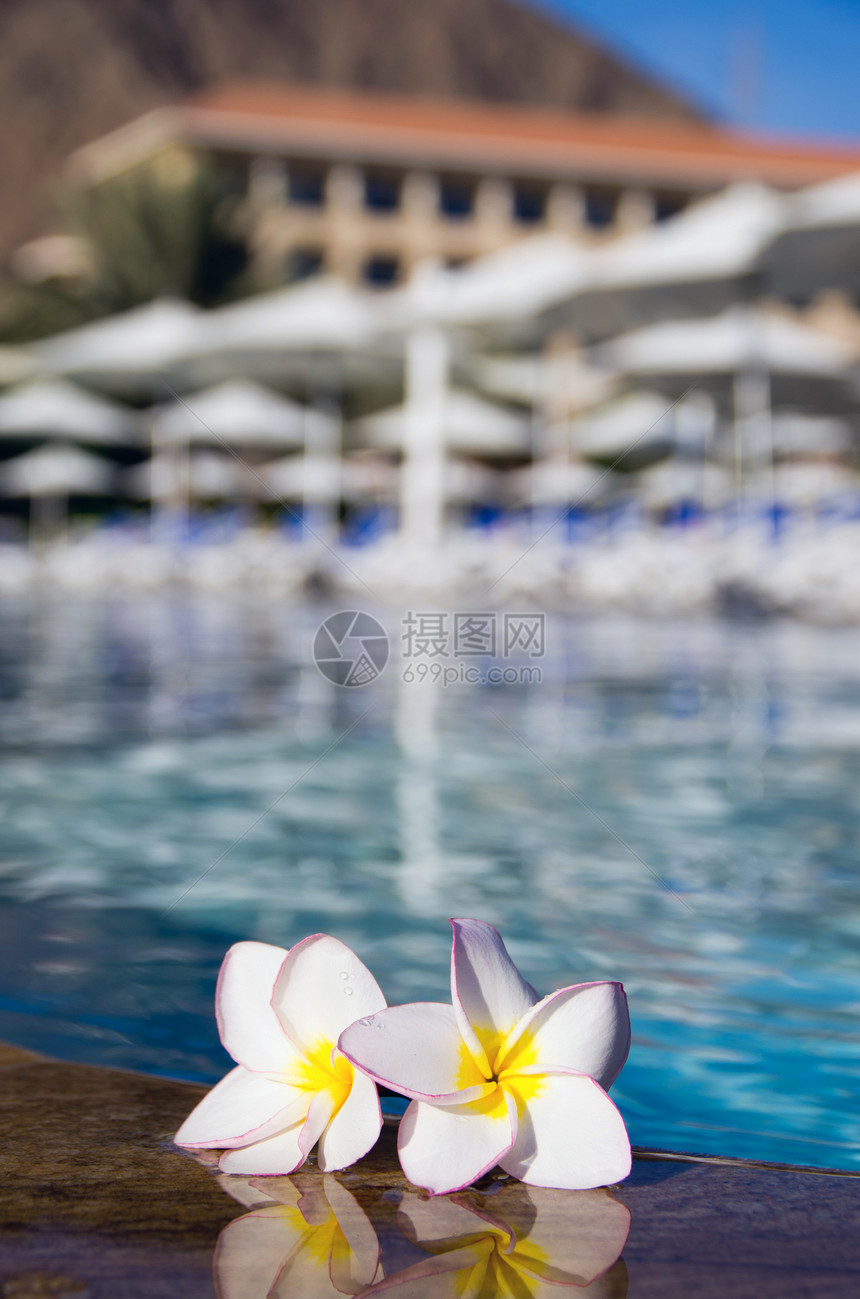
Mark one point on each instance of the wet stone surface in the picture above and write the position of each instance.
(95, 1201)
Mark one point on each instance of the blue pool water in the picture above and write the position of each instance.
(674, 806)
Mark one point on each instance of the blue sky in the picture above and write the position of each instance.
(786, 66)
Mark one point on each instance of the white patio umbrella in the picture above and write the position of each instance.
(237, 413)
(796, 433)
(16, 365)
(205, 475)
(698, 262)
(55, 408)
(678, 479)
(308, 478)
(309, 331)
(466, 481)
(728, 343)
(819, 246)
(766, 359)
(471, 425)
(558, 481)
(366, 476)
(304, 477)
(48, 476)
(804, 484)
(529, 379)
(638, 426)
(501, 291)
(134, 351)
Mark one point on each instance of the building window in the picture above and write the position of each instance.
(668, 205)
(529, 204)
(456, 198)
(381, 270)
(302, 263)
(600, 206)
(306, 185)
(381, 191)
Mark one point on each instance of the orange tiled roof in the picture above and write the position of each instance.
(534, 140)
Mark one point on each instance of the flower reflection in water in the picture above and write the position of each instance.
(307, 1235)
(311, 1239)
(523, 1243)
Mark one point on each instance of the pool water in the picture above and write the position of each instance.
(675, 806)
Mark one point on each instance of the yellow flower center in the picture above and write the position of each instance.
(506, 1072)
(323, 1069)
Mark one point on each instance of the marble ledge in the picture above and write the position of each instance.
(96, 1201)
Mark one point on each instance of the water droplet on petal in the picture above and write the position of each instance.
(365, 1023)
(343, 974)
(379, 1024)
(347, 992)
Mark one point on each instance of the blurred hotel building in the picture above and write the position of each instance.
(366, 186)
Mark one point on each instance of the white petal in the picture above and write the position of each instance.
(251, 1252)
(437, 1223)
(416, 1049)
(569, 1134)
(247, 1190)
(444, 1148)
(354, 1259)
(489, 994)
(355, 1127)
(319, 1117)
(248, 1026)
(322, 987)
(571, 1239)
(453, 1275)
(272, 1157)
(585, 1028)
(240, 1108)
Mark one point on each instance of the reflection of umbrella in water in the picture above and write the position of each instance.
(52, 407)
(49, 476)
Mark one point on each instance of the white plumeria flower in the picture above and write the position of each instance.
(501, 1077)
(531, 1243)
(279, 1016)
(311, 1239)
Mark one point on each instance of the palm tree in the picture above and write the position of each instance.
(169, 226)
